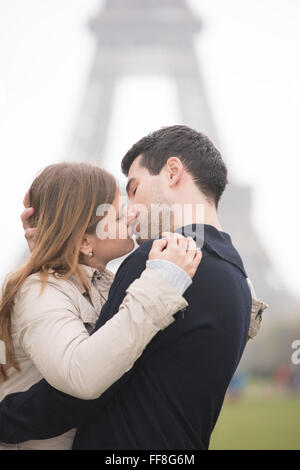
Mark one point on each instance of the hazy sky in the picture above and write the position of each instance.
(249, 56)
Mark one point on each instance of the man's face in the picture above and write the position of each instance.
(147, 196)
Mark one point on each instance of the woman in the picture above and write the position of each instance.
(50, 304)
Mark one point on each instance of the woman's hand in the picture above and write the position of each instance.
(179, 250)
(25, 216)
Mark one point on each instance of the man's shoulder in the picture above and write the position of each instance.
(219, 283)
(217, 270)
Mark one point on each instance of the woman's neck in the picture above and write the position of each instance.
(100, 265)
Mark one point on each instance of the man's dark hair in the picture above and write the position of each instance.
(196, 152)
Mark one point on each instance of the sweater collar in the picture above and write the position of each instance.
(214, 240)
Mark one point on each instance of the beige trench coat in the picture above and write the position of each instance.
(51, 336)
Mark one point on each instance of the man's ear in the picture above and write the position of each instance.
(174, 170)
(86, 246)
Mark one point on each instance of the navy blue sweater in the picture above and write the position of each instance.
(173, 395)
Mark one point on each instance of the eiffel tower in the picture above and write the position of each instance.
(157, 37)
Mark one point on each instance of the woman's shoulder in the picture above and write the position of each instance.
(34, 282)
(32, 303)
(53, 291)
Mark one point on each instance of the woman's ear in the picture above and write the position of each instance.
(86, 246)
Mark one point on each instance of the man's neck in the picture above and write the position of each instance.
(204, 214)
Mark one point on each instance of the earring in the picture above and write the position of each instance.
(91, 254)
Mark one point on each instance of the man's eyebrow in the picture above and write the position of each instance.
(129, 184)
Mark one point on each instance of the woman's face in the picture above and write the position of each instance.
(112, 238)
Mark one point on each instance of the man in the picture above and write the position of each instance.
(173, 395)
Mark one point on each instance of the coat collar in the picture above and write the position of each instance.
(105, 278)
(215, 241)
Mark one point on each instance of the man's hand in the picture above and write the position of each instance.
(25, 216)
(179, 250)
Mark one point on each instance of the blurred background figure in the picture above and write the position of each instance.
(237, 386)
(287, 379)
(282, 377)
(227, 69)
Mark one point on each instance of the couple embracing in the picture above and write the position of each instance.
(137, 360)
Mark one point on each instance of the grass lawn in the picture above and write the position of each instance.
(259, 423)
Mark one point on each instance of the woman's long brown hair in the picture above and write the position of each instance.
(65, 197)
